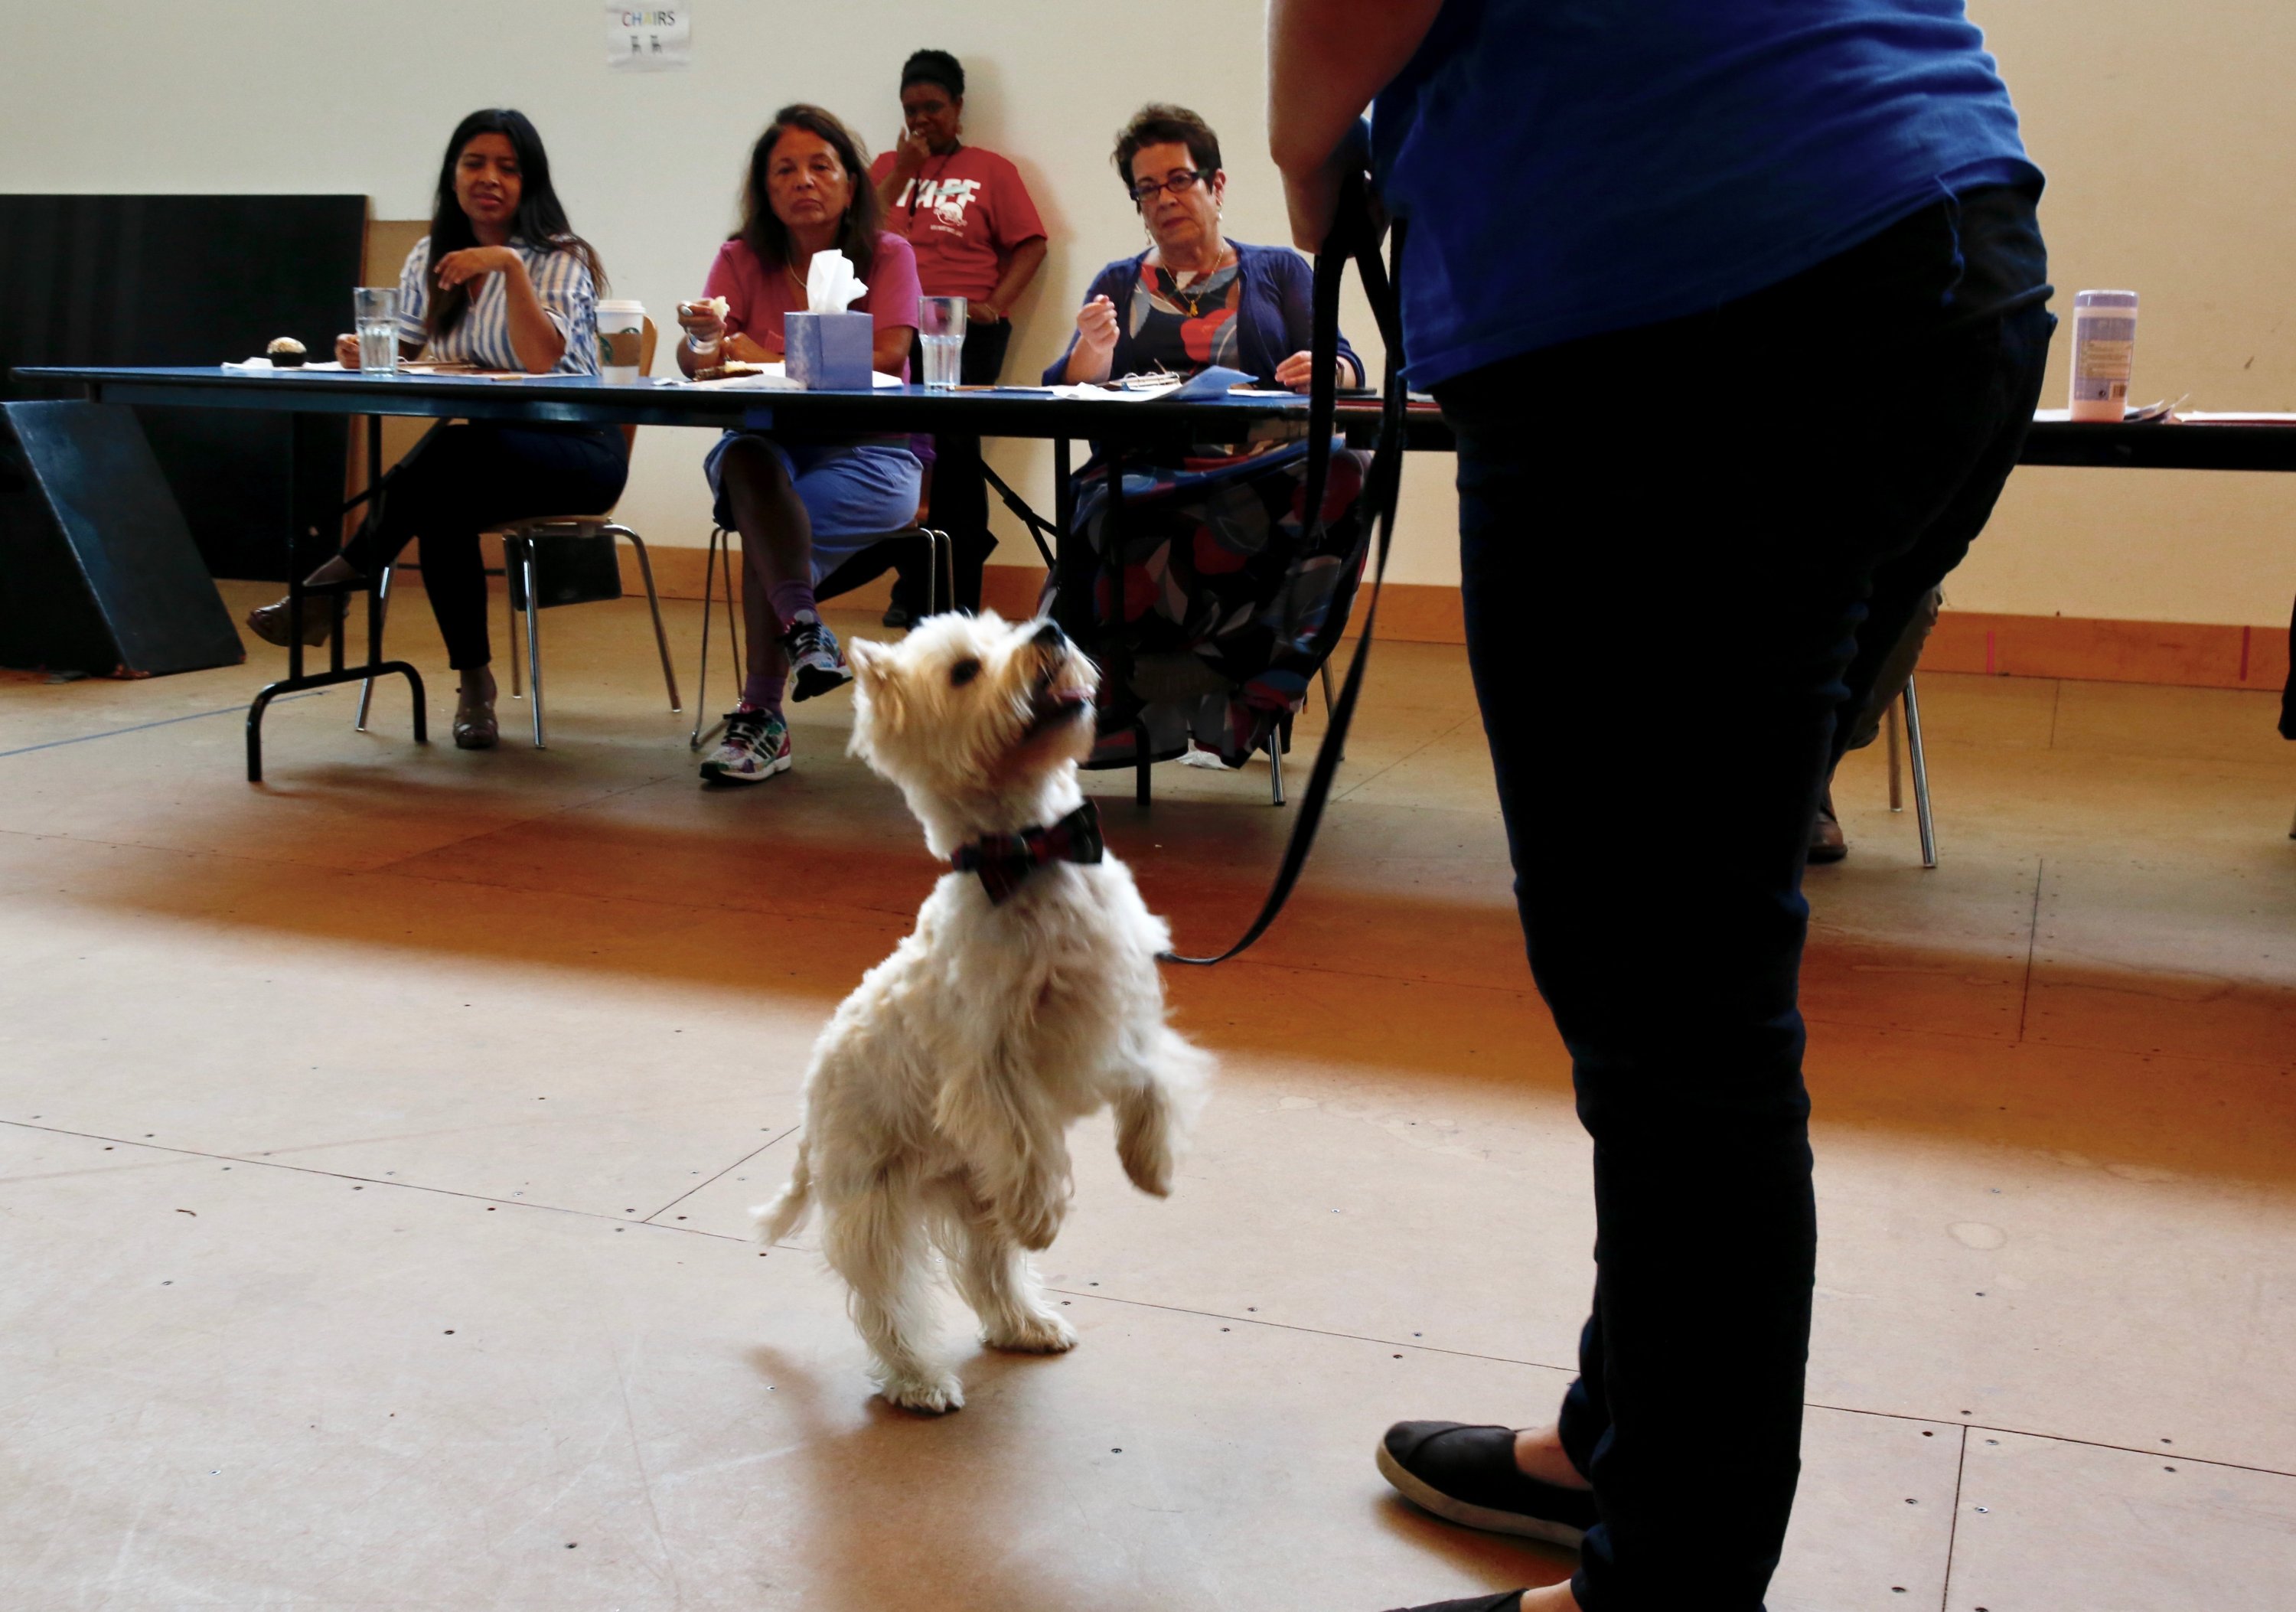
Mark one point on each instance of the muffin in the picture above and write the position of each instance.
(285, 353)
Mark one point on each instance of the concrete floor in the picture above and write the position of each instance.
(375, 1148)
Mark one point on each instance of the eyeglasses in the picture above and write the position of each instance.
(1147, 188)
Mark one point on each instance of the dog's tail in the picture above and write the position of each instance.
(776, 1220)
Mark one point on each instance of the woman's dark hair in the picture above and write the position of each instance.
(540, 220)
(1157, 124)
(768, 236)
(934, 67)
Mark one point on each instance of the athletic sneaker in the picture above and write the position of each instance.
(1467, 1474)
(817, 665)
(756, 746)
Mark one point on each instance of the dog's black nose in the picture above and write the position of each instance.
(1050, 637)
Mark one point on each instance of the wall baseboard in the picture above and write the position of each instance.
(2181, 654)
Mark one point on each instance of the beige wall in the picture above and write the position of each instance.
(2169, 133)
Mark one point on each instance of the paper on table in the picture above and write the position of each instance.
(264, 366)
(775, 377)
(1206, 385)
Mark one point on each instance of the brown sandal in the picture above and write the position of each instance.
(475, 728)
(320, 617)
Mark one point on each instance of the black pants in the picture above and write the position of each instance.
(1855, 431)
(462, 480)
(960, 494)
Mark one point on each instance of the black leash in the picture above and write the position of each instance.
(1038, 527)
(1353, 236)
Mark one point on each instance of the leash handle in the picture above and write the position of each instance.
(1353, 236)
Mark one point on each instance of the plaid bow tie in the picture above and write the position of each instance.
(1004, 859)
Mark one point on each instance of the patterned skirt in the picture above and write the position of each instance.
(1222, 609)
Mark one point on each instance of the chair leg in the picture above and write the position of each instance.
(510, 614)
(653, 603)
(533, 637)
(1923, 817)
(1277, 735)
(374, 651)
(1325, 671)
(941, 589)
(721, 551)
(1889, 734)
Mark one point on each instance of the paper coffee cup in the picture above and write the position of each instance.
(621, 334)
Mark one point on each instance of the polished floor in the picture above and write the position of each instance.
(375, 1147)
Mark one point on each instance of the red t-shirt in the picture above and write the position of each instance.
(756, 297)
(964, 213)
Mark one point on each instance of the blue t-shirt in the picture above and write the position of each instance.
(1574, 166)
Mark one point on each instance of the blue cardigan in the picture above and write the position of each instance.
(1275, 319)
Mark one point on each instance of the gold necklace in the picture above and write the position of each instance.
(1196, 298)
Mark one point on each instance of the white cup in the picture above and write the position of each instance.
(621, 333)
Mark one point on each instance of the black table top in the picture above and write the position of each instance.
(996, 412)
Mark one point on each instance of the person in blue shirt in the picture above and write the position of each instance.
(1737, 312)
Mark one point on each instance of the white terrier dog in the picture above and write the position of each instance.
(1026, 997)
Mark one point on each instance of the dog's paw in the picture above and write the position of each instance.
(1041, 1333)
(930, 1395)
(1147, 1164)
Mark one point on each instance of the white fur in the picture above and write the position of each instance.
(938, 1097)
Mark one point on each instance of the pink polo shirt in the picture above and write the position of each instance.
(757, 296)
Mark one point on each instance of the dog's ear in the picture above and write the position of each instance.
(877, 704)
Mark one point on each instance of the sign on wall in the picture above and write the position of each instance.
(649, 38)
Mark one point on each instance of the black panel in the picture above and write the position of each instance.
(97, 570)
(187, 280)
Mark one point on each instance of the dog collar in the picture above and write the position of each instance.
(1003, 860)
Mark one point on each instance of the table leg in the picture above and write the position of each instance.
(312, 503)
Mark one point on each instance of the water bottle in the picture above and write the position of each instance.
(2104, 352)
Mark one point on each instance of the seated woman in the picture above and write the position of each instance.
(801, 504)
(1227, 616)
(501, 282)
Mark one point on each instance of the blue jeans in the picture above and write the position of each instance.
(1663, 605)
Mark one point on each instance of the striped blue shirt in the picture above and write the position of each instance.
(562, 283)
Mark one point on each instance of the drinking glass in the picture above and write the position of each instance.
(940, 330)
(375, 310)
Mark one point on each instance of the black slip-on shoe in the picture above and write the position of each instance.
(1467, 1474)
(1506, 1601)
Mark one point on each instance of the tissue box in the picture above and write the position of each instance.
(829, 351)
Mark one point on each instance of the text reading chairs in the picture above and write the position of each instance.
(859, 567)
(562, 560)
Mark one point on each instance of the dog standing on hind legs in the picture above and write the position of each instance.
(1026, 996)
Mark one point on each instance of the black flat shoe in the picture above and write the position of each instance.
(1467, 1474)
(1506, 1601)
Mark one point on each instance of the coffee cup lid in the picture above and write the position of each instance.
(621, 306)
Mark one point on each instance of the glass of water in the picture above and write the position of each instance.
(940, 330)
(374, 309)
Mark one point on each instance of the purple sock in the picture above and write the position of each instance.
(763, 692)
(788, 598)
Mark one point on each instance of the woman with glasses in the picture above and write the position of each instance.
(1193, 298)
(1244, 613)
